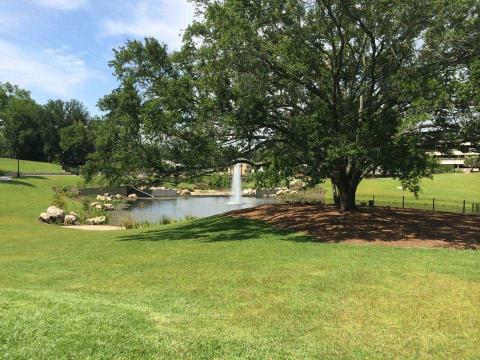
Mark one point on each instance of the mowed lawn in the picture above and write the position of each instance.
(220, 288)
(455, 187)
(26, 166)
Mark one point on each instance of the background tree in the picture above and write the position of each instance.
(32, 131)
(22, 125)
(61, 115)
(472, 161)
(77, 141)
(7, 93)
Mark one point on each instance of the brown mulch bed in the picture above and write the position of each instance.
(395, 227)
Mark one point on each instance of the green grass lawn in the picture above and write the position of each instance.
(449, 191)
(225, 289)
(452, 186)
(26, 166)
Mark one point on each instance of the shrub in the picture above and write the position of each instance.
(219, 182)
(190, 217)
(268, 178)
(85, 203)
(129, 223)
(165, 220)
(442, 169)
(68, 191)
(88, 213)
(59, 201)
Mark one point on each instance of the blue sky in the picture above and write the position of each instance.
(60, 48)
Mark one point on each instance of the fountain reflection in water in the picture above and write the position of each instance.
(236, 193)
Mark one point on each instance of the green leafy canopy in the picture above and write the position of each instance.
(329, 88)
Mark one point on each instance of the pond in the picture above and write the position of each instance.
(153, 210)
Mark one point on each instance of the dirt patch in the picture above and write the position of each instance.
(396, 227)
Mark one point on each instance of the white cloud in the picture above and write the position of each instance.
(51, 72)
(162, 19)
(62, 4)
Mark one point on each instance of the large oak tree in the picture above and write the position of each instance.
(340, 86)
(329, 88)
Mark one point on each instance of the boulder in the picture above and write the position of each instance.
(70, 220)
(106, 194)
(93, 204)
(132, 196)
(297, 184)
(108, 198)
(280, 192)
(99, 206)
(118, 197)
(73, 213)
(249, 192)
(96, 220)
(101, 198)
(55, 213)
(44, 217)
(185, 192)
(108, 206)
(294, 192)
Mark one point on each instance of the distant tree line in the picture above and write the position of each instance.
(55, 132)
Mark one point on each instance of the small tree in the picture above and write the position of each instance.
(472, 161)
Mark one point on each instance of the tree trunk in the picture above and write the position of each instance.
(336, 201)
(347, 190)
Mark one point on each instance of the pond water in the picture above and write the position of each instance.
(153, 210)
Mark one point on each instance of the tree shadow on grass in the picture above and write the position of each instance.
(406, 228)
(400, 227)
(215, 229)
(17, 182)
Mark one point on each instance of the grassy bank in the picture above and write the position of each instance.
(26, 166)
(449, 190)
(223, 288)
(453, 186)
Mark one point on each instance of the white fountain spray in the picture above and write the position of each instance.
(236, 193)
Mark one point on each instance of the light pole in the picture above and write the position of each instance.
(16, 155)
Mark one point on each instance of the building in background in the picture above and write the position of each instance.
(245, 169)
(454, 158)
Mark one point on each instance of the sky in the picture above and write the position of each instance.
(59, 49)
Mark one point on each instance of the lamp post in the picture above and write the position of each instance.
(18, 160)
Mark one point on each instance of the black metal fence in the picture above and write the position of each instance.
(466, 206)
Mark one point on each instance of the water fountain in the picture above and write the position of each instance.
(236, 193)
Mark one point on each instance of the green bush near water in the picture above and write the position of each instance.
(219, 182)
(129, 223)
